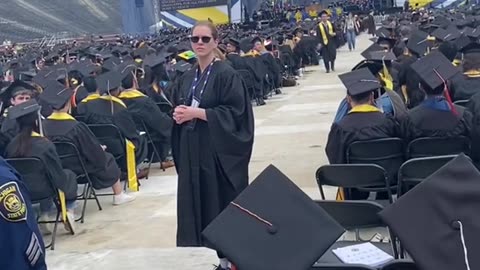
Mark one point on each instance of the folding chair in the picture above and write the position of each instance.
(364, 177)
(387, 153)
(40, 186)
(400, 265)
(438, 146)
(69, 154)
(142, 127)
(462, 102)
(415, 170)
(353, 216)
(249, 82)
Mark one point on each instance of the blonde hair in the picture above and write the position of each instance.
(208, 24)
(218, 54)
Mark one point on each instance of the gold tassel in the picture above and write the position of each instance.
(131, 166)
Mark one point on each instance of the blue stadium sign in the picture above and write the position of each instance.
(170, 5)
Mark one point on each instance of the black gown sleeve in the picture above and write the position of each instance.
(90, 148)
(156, 120)
(231, 125)
(336, 143)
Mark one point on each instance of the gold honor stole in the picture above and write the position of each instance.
(129, 146)
(61, 195)
(322, 31)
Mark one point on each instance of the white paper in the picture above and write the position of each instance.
(365, 254)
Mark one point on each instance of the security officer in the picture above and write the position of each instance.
(21, 244)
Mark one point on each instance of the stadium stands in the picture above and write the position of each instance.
(23, 20)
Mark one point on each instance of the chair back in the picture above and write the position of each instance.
(35, 176)
(249, 80)
(354, 214)
(400, 265)
(387, 153)
(415, 170)
(71, 159)
(438, 146)
(368, 177)
(462, 102)
(110, 136)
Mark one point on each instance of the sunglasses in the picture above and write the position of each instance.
(196, 39)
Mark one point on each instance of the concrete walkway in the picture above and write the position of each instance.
(291, 133)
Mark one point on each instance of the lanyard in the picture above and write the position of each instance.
(197, 81)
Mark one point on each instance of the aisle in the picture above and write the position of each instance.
(291, 133)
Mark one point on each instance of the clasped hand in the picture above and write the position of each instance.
(184, 113)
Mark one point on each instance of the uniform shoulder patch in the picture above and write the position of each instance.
(12, 203)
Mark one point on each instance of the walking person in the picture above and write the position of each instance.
(326, 33)
(350, 29)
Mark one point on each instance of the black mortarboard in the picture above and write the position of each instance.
(441, 34)
(182, 66)
(474, 33)
(359, 81)
(418, 42)
(323, 12)
(155, 60)
(472, 47)
(272, 224)
(372, 48)
(256, 39)
(86, 68)
(453, 33)
(434, 69)
(56, 95)
(383, 33)
(381, 56)
(437, 222)
(109, 81)
(462, 42)
(23, 109)
(14, 88)
(233, 42)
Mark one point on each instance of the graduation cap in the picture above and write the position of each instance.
(109, 81)
(272, 225)
(473, 33)
(155, 60)
(16, 88)
(372, 48)
(256, 39)
(23, 109)
(463, 42)
(182, 66)
(56, 95)
(233, 42)
(383, 32)
(472, 47)
(434, 69)
(27, 75)
(187, 55)
(86, 68)
(437, 221)
(359, 81)
(418, 42)
(441, 34)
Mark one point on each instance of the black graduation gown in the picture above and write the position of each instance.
(9, 126)
(212, 158)
(358, 126)
(44, 150)
(329, 50)
(423, 121)
(158, 123)
(100, 165)
(259, 73)
(273, 70)
(99, 111)
(463, 87)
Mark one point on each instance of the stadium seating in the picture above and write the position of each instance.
(23, 20)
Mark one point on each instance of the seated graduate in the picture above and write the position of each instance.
(15, 94)
(157, 77)
(364, 121)
(30, 143)
(100, 107)
(423, 121)
(465, 85)
(389, 101)
(142, 108)
(60, 126)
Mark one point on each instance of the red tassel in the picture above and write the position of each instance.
(233, 267)
(446, 93)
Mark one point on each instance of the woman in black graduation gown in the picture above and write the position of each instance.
(212, 139)
(30, 143)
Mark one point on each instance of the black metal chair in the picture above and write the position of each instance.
(249, 82)
(400, 265)
(69, 154)
(462, 102)
(415, 170)
(40, 186)
(353, 216)
(142, 127)
(438, 146)
(364, 177)
(387, 153)
(110, 136)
